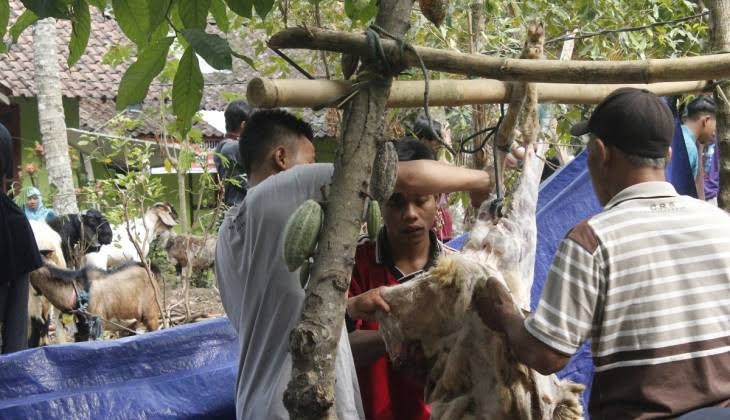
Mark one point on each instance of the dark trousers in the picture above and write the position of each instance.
(14, 315)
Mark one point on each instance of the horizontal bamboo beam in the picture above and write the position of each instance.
(270, 93)
(707, 67)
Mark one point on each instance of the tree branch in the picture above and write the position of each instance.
(707, 67)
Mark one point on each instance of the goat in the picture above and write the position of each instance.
(472, 373)
(159, 218)
(123, 293)
(189, 252)
(39, 309)
(88, 230)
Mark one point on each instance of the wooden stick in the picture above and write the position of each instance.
(269, 93)
(707, 67)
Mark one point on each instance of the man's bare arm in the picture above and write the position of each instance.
(432, 177)
(367, 347)
(497, 310)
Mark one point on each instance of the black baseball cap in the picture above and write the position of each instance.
(635, 121)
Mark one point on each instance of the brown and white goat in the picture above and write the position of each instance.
(123, 293)
(189, 252)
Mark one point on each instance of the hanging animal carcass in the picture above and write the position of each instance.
(472, 373)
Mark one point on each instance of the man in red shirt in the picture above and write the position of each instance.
(405, 247)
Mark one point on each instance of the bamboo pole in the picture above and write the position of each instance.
(707, 67)
(269, 93)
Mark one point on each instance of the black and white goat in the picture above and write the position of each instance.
(81, 233)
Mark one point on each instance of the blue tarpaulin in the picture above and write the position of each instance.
(565, 199)
(183, 372)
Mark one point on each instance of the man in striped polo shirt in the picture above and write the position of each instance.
(647, 280)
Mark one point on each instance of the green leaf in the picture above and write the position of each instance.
(361, 10)
(136, 80)
(158, 10)
(48, 8)
(245, 58)
(194, 13)
(80, 31)
(4, 18)
(133, 17)
(263, 7)
(241, 7)
(187, 88)
(218, 10)
(24, 20)
(214, 49)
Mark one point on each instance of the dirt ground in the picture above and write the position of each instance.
(204, 303)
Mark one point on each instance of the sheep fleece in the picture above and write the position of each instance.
(472, 374)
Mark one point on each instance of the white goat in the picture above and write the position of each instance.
(39, 309)
(159, 218)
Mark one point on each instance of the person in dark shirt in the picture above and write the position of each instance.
(19, 255)
(227, 158)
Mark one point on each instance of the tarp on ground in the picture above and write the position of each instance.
(183, 372)
(565, 199)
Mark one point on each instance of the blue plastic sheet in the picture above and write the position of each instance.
(183, 372)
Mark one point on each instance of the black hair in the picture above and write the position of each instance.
(701, 105)
(267, 129)
(236, 112)
(6, 154)
(409, 148)
(423, 131)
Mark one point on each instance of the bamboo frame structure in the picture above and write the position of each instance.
(270, 93)
(706, 67)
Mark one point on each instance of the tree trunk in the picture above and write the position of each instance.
(51, 117)
(720, 27)
(313, 343)
(186, 272)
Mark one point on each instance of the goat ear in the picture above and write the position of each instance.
(166, 218)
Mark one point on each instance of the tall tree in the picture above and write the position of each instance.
(720, 27)
(51, 117)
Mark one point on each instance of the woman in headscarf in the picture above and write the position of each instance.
(19, 255)
(34, 209)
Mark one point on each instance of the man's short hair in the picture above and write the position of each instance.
(700, 106)
(424, 131)
(6, 154)
(236, 112)
(267, 129)
(409, 148)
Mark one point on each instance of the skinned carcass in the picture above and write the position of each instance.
(158, 220)
(472, 372)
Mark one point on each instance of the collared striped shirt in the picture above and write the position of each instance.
(648, 282)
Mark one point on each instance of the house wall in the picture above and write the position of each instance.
(30, 134)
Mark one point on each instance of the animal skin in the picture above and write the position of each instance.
(472, 372)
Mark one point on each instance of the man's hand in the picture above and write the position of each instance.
(365, 305)
(494, 304)
(482, 193)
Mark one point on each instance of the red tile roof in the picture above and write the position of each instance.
(88, 78)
